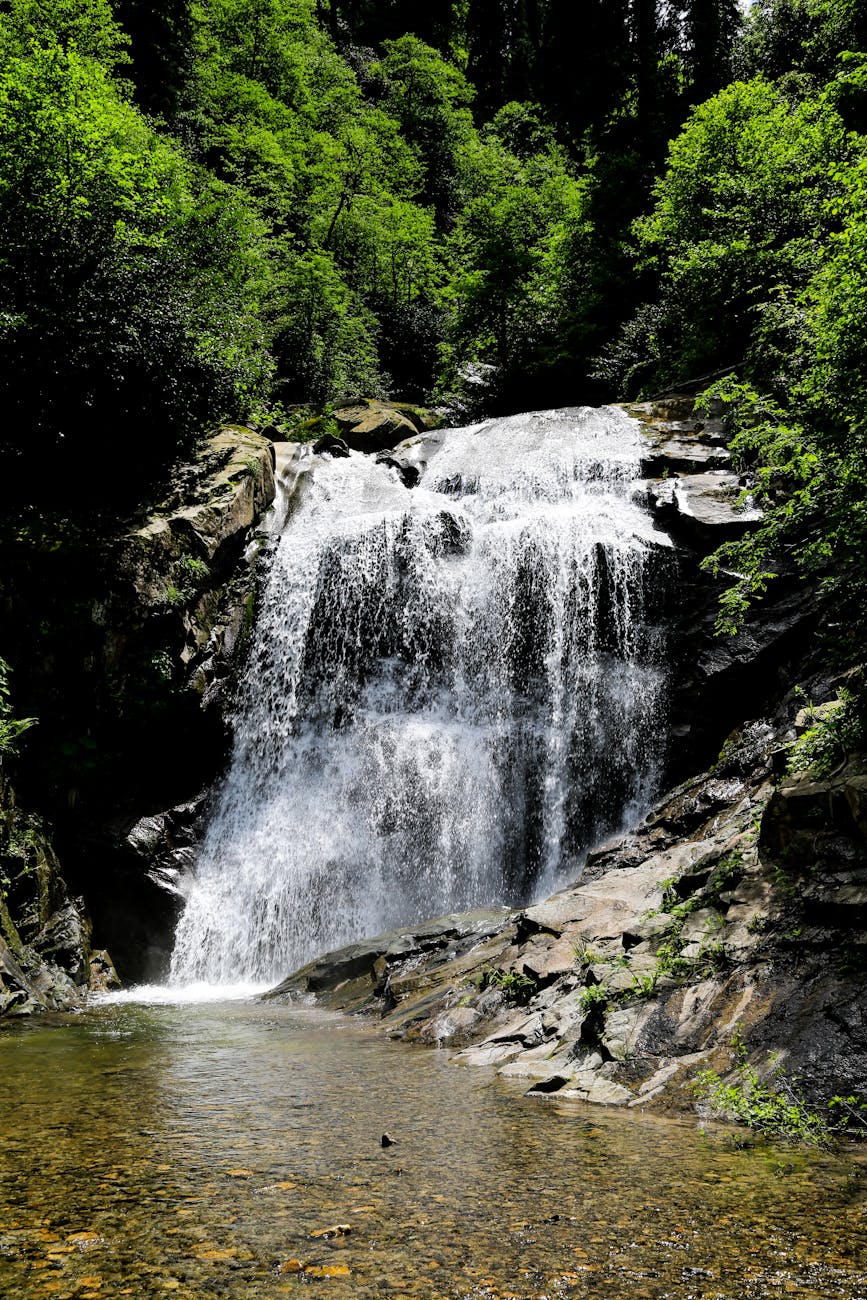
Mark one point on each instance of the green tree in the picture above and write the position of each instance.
(429, 99)
(508, 255)
(710, 29)
(373, 21)
(161, 51)
(281, 116)
(125, 282)
(806, 36)
(87, 26)
(594, 34)
(739, 215)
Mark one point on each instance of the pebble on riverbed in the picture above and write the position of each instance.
(336, 1230)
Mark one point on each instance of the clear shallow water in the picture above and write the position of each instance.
(192, 1150)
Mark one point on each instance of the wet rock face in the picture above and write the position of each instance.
(44, 934)
(140, 906)
(692, 488)
(698, 497)
(183, 570)
(354, 977)
(184, 597)
(124, 640)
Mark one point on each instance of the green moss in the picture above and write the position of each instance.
(421, 416)
(28, 876)
(7, 925)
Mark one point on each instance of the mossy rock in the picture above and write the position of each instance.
(424, 419)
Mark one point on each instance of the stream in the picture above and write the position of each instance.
(197, 1149)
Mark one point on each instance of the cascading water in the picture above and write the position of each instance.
(452, 693)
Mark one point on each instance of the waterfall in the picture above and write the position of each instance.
(452, 693)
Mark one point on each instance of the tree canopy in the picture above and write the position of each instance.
(229, 208)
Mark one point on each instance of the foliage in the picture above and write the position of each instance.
(508, 250)
(758, 240)
(807, 36)
(330, 199)
(775, 1107)
(124, 274)
(736, 224)
(11, 728)
(835, 735)
(513, 984)
(592, 997)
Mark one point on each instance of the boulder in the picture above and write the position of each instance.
(407, 472)
(138, 908)
(353, 975)
(232, 485)
(329, 445)
(373, 426)
(413, 455)
(103, 976)
(702, 510)
(692, 490)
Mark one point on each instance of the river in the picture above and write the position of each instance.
(196, 1150)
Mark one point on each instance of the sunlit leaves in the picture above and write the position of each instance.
(127, 280)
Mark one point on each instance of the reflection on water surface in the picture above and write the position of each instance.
(196, 1151)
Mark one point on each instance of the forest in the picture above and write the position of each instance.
(247, 209)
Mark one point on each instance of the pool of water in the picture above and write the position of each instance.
(200, 1150)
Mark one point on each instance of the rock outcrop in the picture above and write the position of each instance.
(701, 499)
(186, 564)
(44, 933)
(738, 908)
(124, 637)
(693, 488)
(129, 651)
(623, 986)
(374, 426)
(183, 597)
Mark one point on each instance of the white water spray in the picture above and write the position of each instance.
(452, 693)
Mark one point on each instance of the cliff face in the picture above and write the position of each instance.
(44, 933)
(123, 637)
(125, 641)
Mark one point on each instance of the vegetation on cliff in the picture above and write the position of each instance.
(11, 728)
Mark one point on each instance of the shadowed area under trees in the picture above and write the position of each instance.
(216, 209)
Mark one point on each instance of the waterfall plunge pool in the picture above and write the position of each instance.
(196, 1149)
